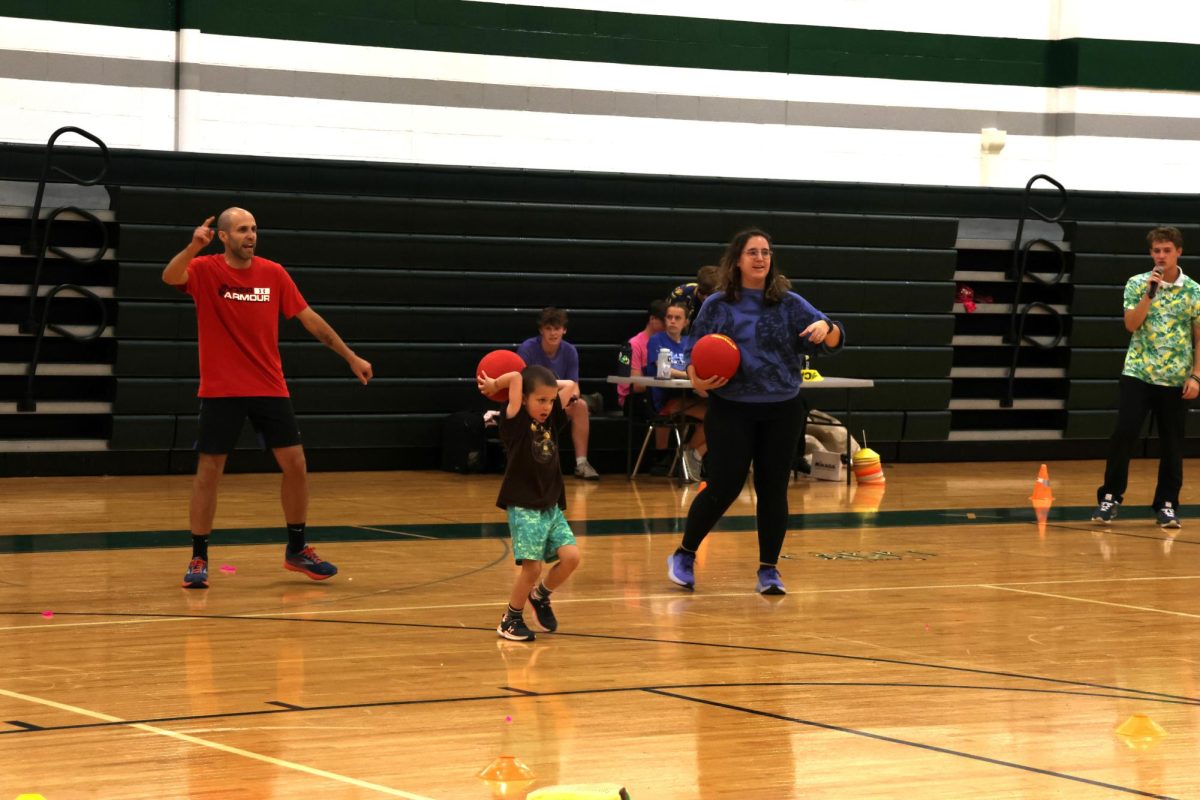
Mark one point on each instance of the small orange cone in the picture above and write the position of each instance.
(1041, 511)
(1041, 487)
(506, 769)
(1139, 731)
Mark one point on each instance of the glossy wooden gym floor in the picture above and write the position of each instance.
(942, 647)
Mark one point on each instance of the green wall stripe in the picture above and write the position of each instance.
(653, 40)
(148, 14)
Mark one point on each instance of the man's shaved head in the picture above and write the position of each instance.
(225, 221)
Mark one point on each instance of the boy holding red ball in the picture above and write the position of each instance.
(532, 491)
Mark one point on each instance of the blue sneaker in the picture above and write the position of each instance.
(769, 581)
(308, 562)
(515, 629)
(543, 614)
(1106, 511)
(680, 568)
(1167, 519)
(196, 576)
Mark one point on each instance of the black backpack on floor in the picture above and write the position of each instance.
(464, 444)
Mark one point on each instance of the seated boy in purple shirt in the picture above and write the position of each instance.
(550, 350)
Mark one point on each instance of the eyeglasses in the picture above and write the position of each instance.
(757, 253)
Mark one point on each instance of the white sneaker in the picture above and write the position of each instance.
(586, 471)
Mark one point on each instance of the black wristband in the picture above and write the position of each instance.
(1193, 377)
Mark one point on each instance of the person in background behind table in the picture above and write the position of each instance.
(655, 320)
(1161, 373)
(239, 298)
(666, 402)
(695, 293)
(756, 416)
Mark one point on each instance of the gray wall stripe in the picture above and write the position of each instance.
(67, 68)
(457, 94)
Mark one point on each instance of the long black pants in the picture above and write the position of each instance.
(1138, 399)
(738, 434)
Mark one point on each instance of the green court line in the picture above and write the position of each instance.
(842, 520)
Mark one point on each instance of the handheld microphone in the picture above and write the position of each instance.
(1154, 286)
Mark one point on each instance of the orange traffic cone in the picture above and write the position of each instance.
(1041, 487)
(1042, 499)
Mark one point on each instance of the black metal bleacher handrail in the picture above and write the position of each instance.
(31, 243)
(27, 403)
(31, 324)
(1018, 271)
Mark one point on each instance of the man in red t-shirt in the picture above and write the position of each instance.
(239, 298)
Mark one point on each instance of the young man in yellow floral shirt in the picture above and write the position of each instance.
(1162, 372)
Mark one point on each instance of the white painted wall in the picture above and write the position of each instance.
(254, 123)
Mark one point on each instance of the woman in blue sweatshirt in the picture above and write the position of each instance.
(757, 415)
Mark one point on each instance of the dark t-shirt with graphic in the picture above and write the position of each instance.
(533, 477)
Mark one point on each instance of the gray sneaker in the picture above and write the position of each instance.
(1106, 511)
(586, 471)
(692, 459)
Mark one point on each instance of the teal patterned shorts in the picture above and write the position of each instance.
(538, 533)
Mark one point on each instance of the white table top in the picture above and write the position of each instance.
(684, 383)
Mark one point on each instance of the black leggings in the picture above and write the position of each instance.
(738, 434)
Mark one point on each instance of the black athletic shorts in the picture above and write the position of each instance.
(221, 421)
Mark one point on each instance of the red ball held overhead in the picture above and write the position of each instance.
(497, 363)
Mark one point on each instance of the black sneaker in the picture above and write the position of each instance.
(543, 614)
(1106, 511)
(1166, 517)
(514, 628)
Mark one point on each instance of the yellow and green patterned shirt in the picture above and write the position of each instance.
(1160, 350)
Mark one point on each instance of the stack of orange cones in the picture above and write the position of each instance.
(1042, 498)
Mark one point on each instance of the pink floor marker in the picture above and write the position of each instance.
(47, 614)
(228, 569)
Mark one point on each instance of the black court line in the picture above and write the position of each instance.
(286, 708)
(1118, 532)
(670, 691)
(28, 726)
(909, 743)
(640, 640)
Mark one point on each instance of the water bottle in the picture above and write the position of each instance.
(663, 364)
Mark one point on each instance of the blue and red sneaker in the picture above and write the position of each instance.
(308, 562)
(196, 576)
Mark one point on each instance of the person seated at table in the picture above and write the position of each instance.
(551, 350)
(666, 402)
(695, 293)
(655, 321)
